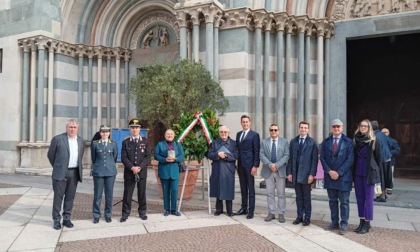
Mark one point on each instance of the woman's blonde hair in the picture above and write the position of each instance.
(370, 133)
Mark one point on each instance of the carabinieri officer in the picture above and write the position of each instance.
(135, 155)
(104, 154)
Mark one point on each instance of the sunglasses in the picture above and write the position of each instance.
(275, 130)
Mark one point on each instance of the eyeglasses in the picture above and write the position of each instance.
(223, 132)
(336, 126)
(364, 126)
(275, 130)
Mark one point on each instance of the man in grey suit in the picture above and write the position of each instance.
(274, 155)
(65, 155)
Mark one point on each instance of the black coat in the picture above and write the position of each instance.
(222, 181)
(302, 163)
(135, 154)
(374, 157)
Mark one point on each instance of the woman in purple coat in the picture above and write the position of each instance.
(367, 156)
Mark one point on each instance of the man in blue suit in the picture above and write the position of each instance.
(301, 170)
(65, 156)
(248, 142)
(337, 161)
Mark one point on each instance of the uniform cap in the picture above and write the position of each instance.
(134, 123)
(104, 128)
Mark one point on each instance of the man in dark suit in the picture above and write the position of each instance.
(301, 170)
(248, 142)
(274, 155)
(135, 155)
(65, 155)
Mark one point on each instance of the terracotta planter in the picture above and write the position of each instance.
(189, 185)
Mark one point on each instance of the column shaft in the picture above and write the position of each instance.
(127, 83)
(25, 97)
(117, 92)
(327, 88)
(183, 42)
(90, 98)
(209, 48)
(258, 75)
(266, 86)
(287, 92)
(280, 82)
(308, 107)
(300, 94)
(195, 44)
(80, 96)
(99, 94)
(108, 91)
(32, 105)
(40, 96)
(216, 54)
(50, 94)
(320, 90)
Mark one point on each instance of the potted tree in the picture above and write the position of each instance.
(167, 94)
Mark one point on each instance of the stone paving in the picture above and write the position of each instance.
(25, 224)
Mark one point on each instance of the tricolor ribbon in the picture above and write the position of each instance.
(199, 117)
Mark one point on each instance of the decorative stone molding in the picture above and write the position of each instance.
(321, 25)
(350, 9)
(210, 12)
(73, 50)
(169, 20)
(236, 18)
(301, 22)
(259, 19)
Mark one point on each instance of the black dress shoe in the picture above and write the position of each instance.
(176, 213)
(230, 214)
(143, 216)
(306, 222)
(217, 213)
(67, 224)
(95, 220)
(250, 216)
(298, 220)
(123, 219)
(57, 225)
(108, 219)
(166, 213)
(241, 212)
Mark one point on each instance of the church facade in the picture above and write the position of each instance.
(278, 61)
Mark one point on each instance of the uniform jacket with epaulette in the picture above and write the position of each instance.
(104, 158)
(135, 154)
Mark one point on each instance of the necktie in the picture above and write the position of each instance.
(243, 136)
(301, 143)
(136, 140)
(104, 143)
(273, 152)
(335, 145)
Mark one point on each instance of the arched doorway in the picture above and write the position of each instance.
(383, 84)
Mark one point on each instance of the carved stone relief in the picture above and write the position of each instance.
(348, 9)
(159, 33)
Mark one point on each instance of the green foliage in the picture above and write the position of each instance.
(163, 92)
(195, 143)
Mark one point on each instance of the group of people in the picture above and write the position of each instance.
(364, 161)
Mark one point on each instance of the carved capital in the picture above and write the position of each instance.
(41, 42)
(25, 45)
(329, 30)
(259, 19)
(52, 45)
(310, 27)
(80, 50)
(280, 19)
(321, 25)
(99, 51)
(210, 12)
(181, 18)
(127, 54)
(108, 53)
(90, 52)
(236, 18)
(117, 52)
(301, 22)
(290, 25)
(218, 21)
(195, 16)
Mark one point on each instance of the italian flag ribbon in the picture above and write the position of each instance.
(198, 118)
